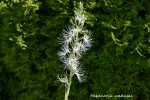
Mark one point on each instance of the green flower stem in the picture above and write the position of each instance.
(68, 85)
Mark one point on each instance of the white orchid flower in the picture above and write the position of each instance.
(75, 42)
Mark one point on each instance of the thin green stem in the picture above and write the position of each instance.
(68, 86)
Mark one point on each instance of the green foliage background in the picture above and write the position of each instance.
(118, 62)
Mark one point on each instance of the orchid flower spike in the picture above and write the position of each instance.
(75, 42)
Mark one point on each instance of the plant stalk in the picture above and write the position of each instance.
(68, 86)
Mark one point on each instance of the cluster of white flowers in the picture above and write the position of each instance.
(75, 41)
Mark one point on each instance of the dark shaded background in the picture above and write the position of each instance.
(118, 62)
